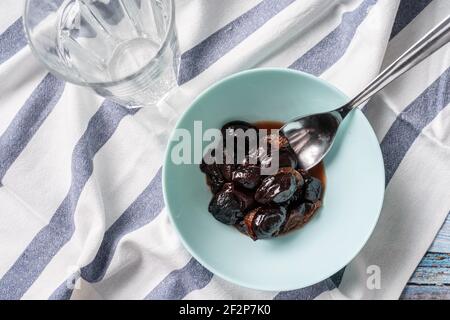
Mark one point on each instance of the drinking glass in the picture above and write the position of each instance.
(126, 50)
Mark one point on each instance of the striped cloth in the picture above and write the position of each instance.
(81, 208)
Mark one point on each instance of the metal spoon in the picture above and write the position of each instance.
(312, 136)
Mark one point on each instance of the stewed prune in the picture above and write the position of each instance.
(278, 188)
(242, 227)
(300, 214)
(227, 171)
(259, 205)
(295, 217)
(230, 128)
(298, 176)
(313, 189)
(244, 196)
(240, 133)
(226, 207)
(277, 145)
(214, 176)
(265, 222)
(286, 158)
(253, 157)
(298, 194)
(248, 176)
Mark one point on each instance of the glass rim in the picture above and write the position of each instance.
(162, 48)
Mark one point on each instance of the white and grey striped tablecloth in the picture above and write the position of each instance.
(81, 209)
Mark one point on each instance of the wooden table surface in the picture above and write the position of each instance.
(431, 280)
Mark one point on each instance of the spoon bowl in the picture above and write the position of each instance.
(312, 136)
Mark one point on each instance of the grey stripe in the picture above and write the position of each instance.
(12, 40)
(406, 13)
(328, 51)
(50, 239)
(411, 121)
(203, 55)
(193, 276)
(63, 292)
(337, 277)
(308, 293)
(28, 120)
(141, 212)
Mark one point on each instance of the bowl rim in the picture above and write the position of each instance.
(165, 191)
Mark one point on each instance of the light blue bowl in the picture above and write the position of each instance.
(352, 202)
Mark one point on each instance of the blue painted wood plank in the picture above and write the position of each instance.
(417, 292)
(442, 241)
(431, 276)
(434, 269)
(435, 260)
(431, 280)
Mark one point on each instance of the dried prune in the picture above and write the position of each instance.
(247, 176)
(226, 207)
(278, 188)
(312, 190)
(231, 127)
(214, 176)
(245, 198)
(253, 157)
(298, 176)
(265, 222)
(248, 223)
(286, 158)
(300, 214)
(227, 171)
(242, 227)
(295, 217)
(217, 173)
(243, 140)
(295, 200)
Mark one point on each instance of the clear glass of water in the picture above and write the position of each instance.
(126, 50)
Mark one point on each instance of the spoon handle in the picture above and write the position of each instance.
(431, 42)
